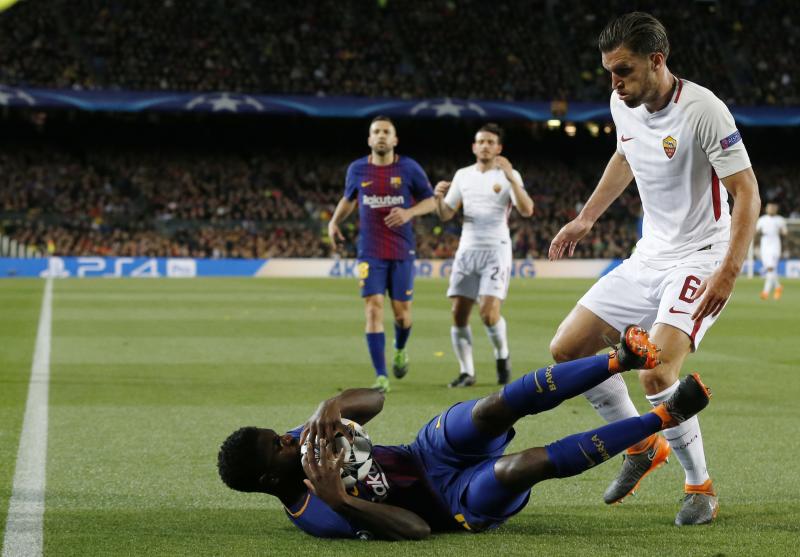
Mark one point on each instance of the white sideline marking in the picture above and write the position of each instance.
(24, 532)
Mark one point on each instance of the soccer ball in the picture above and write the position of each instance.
(357, 457)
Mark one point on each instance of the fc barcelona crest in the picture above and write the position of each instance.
(497, 188)
(670, 145)
(396, 181)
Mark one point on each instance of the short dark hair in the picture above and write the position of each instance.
(491, 127)
(382, 118)
(239, 462)
(638, 31)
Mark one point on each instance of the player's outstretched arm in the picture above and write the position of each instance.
(359, 405)
(381, 520)
(398, 216)
(343, 210)
(616, 177)
(717, 288)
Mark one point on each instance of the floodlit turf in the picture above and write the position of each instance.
(149, 376)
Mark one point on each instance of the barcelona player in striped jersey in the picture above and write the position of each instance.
(389, 191)
(454, 476)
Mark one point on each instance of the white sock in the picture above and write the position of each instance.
(611, 399)
(686, 441)
(769, 283)
(462, 346)
(497, 334)
(775, 282)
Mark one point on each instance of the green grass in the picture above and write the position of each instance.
(149, 376)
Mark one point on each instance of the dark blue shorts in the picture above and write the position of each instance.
(377, 276)
(450, 472)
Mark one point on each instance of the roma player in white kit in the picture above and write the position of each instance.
(771, 226)
(681, 145)
(482, 266)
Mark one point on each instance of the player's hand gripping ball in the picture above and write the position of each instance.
(357, 456)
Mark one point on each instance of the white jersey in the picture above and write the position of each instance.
(678, 155)
(487, 198)
(770, 227)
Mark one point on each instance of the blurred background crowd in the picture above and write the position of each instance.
(270, 201)
(746, 51)
(267, 205)
(271, 190)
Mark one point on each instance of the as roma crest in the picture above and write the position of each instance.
(670, 145)
(497, 188)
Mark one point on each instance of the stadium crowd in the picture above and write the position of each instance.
(541, 50)
(127, 203)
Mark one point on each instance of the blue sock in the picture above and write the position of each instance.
(376, 342)
(464, 437)
(400, 336)
(577, 453)
(548, 387)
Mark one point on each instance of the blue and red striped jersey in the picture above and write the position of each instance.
(396, 478)
(402, 183)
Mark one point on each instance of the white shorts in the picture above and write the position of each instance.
(481, 272)
(635, 293)
(770, 257)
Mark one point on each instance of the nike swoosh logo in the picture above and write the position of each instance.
(538, 388)
(673, 310)
(651, 454)
(623, 139)
(591, 462)
(366, 184)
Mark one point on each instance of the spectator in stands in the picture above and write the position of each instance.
(272, 205)
(387, 50)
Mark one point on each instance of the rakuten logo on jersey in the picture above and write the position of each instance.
(381, 201)
(376, 481)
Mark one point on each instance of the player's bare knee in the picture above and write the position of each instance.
(491, 415)
(402, 317)
(559, 350)
(460, 315)
(485, 408)
(520, 471)
(403, 320)
(374, 310)
(402, 313)
(490, 317)
(659, 378)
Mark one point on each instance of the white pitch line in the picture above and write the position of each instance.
(24, 527)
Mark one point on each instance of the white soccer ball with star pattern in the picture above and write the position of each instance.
(358, 454)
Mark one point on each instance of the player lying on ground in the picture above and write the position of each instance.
(454, 475)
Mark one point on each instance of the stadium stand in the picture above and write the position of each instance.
(274, 200)
(152, 203)
(537, 50)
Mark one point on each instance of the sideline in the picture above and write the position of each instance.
(24, 527)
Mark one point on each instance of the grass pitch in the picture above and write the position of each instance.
(149, 376)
